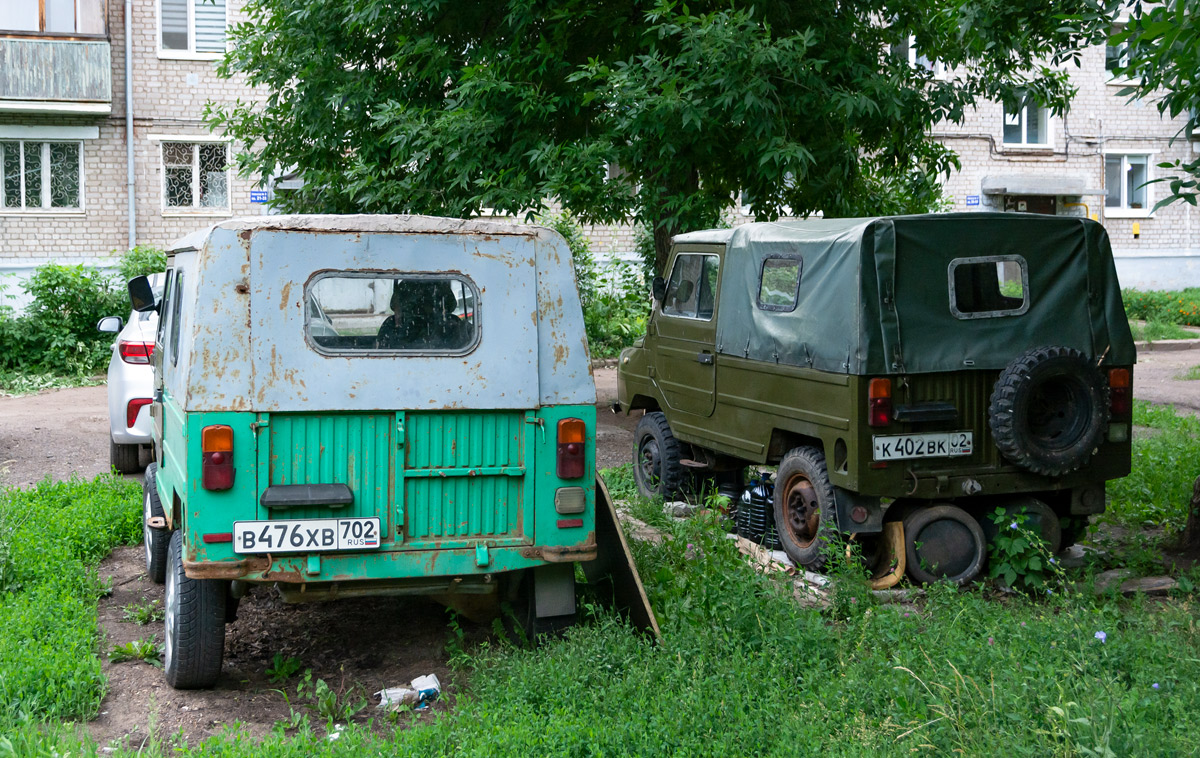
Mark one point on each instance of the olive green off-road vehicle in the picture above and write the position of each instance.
(919, 370)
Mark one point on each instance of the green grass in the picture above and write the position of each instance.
(1191, 375)
(17, 383)
(52, 537)
(743, 670)
(1175, 307)
(1161, 330)
(1158, 490)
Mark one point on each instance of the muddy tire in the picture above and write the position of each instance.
(805, 514)
(1049, 410)
(656, 454)
(157, 541)
(943, 542)
(124, 458)
(195, 625)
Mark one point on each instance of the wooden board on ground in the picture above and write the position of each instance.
(614, 564)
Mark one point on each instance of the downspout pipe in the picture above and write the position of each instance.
(129, 180)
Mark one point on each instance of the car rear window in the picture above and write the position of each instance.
(369, 313)
(779, 283)
(988, 286)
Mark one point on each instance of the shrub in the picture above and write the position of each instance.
(1172, 307)
(57, 334)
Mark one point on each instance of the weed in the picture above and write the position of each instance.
(138, 650)
(145, 612)
(1155, 493)
(329, 704)
(1191, 375)
(1161, 330)
(283, 668)
(1019, 557)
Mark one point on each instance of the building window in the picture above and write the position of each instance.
(52, 16)
(40, 175)
(1028, 125)
(192, 27)
(195, 175)
(1125, 178)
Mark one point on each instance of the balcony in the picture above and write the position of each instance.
(55, 57)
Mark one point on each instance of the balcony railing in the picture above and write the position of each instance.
(55, 57)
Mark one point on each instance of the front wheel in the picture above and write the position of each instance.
(195, 625)
(804, 506)
(656, 466)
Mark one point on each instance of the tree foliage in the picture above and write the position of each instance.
(1163, 65)
(652, 111)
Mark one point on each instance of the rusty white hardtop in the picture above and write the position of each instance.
(243, 343)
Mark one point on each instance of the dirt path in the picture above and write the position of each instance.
(1157, 378)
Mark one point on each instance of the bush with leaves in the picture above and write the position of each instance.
(57, 333)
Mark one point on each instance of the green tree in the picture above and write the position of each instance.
(651, 111)
(1162, 62)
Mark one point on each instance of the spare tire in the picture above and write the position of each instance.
(1049, 410)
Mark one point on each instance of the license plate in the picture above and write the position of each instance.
(305, 535)
(933, 445)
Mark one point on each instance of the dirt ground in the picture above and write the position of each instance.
(358, 646)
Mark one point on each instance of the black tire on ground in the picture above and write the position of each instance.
(1049, 410)
(656, 454)
(1039, 517)
(157, 541)
(943, 542)
(195, 625)
(805, 515)
(524, 612)
(124, 458)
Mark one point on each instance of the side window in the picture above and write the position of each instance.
(989, 286)
(692, 288)
(164, 308)
(176, 307)
(351, 312)
(779, 283)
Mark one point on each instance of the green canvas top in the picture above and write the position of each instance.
(875, 294)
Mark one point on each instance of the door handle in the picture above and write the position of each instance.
(705, 358)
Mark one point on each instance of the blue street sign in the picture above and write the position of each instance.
(972, 199)
(258, 196)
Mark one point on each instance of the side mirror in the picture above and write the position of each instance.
(142, 295)
(110, 324)
(658, 287)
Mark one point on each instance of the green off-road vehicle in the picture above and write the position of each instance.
(921, 371)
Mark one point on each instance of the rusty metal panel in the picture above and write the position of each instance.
(464, 476)
(55, 70)
(565, 365)
(354, 449)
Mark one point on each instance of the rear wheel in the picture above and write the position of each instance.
(943, 542)
(656, 454)
(157, 541)
(195, 625)
(804, 506)
(124, 458)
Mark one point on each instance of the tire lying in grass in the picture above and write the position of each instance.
(195, 625)
(157, 541)
(943, 542)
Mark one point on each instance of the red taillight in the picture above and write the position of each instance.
(572, 442)
(136, 352)
(216, 468)
(1120, 394)
(131, 410)
(879, 402)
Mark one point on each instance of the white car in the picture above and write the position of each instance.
(131, 384)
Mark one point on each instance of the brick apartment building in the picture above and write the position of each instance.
(64, 166)
(65, 171)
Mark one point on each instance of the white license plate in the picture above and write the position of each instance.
(933, 445)
(305, 535)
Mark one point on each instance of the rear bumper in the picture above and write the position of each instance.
(400, 566)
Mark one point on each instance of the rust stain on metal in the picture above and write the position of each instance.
(285, 296)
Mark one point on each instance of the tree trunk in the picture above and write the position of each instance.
(662, 247)
(1191, 532)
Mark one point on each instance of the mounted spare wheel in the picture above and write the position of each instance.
(1049, 410)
